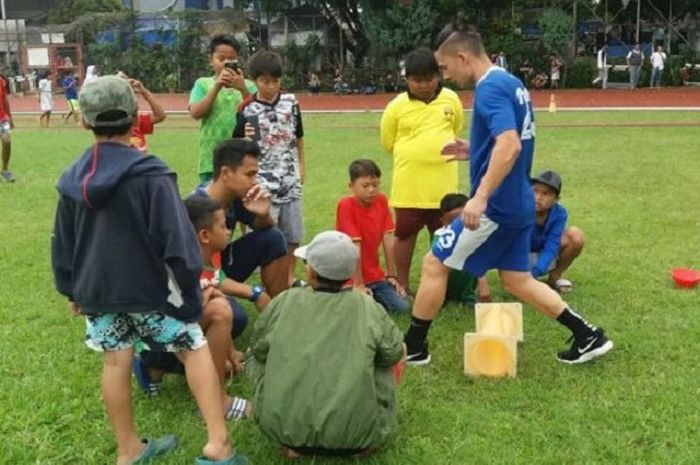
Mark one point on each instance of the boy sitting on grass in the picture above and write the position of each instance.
(217, 321)
(120, 216)
(461, 287)
(553, 246)
(321, 360)
(365, 217)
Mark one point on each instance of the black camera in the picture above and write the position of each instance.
(233, 65)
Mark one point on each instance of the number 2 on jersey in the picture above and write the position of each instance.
(528, 131)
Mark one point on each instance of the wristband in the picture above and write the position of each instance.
(257, 292)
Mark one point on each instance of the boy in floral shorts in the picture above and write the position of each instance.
(133, 270)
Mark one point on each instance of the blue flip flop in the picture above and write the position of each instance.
(235, 459)
(155, 448)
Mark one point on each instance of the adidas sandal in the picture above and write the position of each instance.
(238, 410)
(563, 286)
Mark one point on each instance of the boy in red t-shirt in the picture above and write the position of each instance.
(365, 217)
(147, 119)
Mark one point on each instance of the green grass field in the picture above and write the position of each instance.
(633, 190)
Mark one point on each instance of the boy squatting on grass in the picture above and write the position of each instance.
(414, 127)
(214, 99)
(273, 120)
(461, 287)
(553, 246)
(106, 225)
(321, 361)
(365, 217)
(217, 321)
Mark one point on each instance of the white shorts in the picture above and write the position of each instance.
(46, 103)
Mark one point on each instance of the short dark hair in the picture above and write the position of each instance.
(201, 209)
(223, 39)
(330, 283)
(265, 63)
(460, 36)
(231, 152)
(451, 201)
(421, 62)
(112, 131)
(363, 167)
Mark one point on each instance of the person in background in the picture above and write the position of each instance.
(658, 59)
(70, 91)
(45, 100)
(635, 60)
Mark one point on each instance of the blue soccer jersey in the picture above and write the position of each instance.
(502, 103)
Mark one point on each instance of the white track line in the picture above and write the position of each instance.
(468, 110)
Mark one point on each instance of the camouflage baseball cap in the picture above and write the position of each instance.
(108, 93)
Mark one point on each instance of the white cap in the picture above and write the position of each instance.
(331, 254)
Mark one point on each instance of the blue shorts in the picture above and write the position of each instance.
(257, 248)
(110, 332)
(489, 246)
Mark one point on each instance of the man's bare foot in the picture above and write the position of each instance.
(290, 454)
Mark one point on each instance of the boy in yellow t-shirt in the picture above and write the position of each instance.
(415, 126)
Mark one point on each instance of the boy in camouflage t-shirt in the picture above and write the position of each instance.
(273, 119)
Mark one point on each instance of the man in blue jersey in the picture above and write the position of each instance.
(496, 224)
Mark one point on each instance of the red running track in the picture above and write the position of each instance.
(686, 97)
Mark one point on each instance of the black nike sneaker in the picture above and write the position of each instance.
(419, 357)
(585, 350)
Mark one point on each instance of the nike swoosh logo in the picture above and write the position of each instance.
(586, 347)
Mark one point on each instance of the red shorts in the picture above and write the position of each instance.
(409, 221)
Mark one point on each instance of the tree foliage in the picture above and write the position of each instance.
(67, 10)
(557, 26)
(397, 30)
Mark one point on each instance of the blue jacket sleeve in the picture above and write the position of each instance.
(62, 247)
(173, 235)
(552, 241)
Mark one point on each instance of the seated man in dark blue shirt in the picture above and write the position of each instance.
(554, 247)
(235, 186)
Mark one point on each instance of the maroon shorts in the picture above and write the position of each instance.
(409, 221)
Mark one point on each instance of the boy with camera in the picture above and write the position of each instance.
(214, 99)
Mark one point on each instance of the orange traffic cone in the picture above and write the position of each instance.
(552, 103)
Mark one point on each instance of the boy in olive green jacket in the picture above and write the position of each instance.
(321, 360)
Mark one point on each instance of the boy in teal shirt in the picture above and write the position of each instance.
(214, 99)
